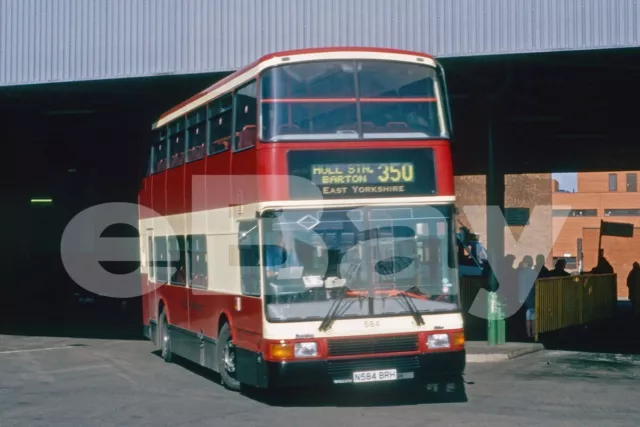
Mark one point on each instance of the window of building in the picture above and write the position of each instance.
(220, 124)
(613, 182)
(572, 262)
(622, 212)
(246, 117)
(197, 257)
(574, 212)
(177, 260)
(160, 263)
(197, 134)
(159, 152)
(632, 182)
(178, 143)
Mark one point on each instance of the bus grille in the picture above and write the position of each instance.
(349, 366)
(348, 347)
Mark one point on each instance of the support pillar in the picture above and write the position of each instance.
(495, 188)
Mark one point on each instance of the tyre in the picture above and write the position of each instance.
(227, 358)
(164, 338)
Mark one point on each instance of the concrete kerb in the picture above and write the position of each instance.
(502, 356)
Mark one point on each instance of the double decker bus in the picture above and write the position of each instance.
(297, 223)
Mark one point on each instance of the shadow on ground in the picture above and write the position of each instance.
(404, 393)
(619, 335)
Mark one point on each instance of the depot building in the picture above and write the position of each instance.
(540, 85)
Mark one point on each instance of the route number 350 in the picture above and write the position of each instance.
(371, 323)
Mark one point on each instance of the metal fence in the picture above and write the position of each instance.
(561, 302)
(574, 300)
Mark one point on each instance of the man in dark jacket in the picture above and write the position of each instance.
(603, 266)
(542, 269)
(559, 269)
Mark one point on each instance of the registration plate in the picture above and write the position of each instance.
(375, 376)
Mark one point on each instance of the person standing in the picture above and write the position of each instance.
(527, 292)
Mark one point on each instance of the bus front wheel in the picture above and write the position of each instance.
(227, 358)
(164, 338)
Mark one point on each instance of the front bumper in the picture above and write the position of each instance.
(421, 367)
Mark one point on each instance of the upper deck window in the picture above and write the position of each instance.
(342, 100)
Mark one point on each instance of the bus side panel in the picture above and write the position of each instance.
(207, 308)
(146, 305)
(216, 182)
(175, 191)
(175, 299)
(146, 315)
(444, 170)
(271, 165)
(244, 182)
(247, 324)
(158, 197)
(194, 193)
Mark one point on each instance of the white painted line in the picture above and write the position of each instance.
(484, 358)
(38, 349)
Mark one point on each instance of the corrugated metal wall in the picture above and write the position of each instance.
(63, 40)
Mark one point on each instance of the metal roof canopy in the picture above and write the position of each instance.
(548, 104)
(75, 40)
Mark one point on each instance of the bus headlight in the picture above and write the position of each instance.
(305, 349)
(436, 341)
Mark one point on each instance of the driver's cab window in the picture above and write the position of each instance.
(432, 250)
(288, 259)
(249, 248)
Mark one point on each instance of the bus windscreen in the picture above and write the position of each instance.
(314, 257)
(344, 100)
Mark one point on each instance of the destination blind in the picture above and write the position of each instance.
(359, 174)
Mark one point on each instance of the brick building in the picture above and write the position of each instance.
(599, 196)
(522, 193)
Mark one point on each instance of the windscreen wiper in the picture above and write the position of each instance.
(333, 311)
(411, 307)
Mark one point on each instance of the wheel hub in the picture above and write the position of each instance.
(229, 357)
(165, 340)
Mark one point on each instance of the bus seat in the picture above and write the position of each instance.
(199, 151)
(161, 165)
(247, 138)
(352, 126)
(250, 130)
(368, 127)
(220, 145)
(177, 160)
(198, 280)
(286, 129)
(397, 124)
(401, 126)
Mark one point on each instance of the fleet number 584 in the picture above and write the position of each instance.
(371, 323)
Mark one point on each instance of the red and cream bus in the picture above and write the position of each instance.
(297, 223)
